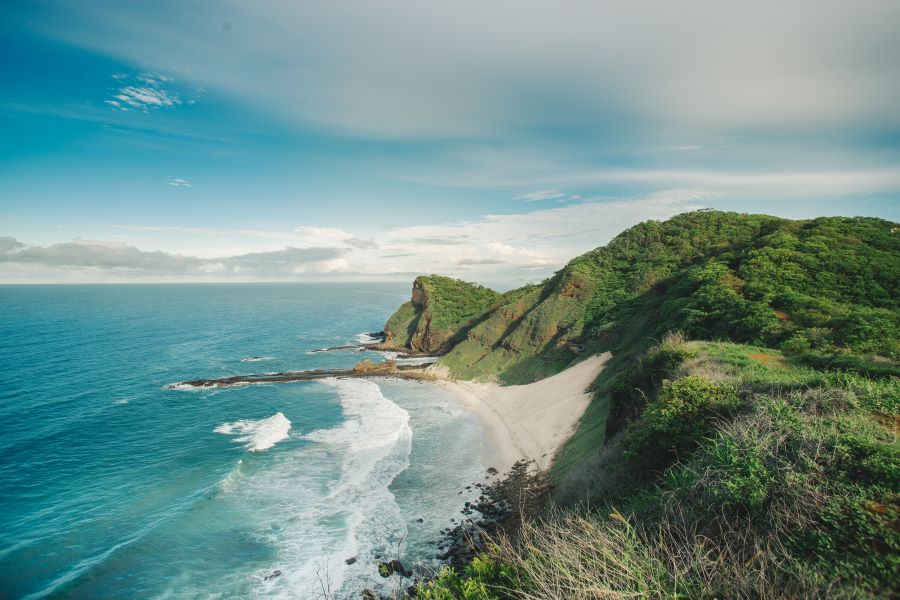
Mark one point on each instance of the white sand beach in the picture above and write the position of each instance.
(529, 421)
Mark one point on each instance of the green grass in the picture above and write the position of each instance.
(402, 325)
(452, 303)
(441, 314)
(747, 474)
(762, 463)
(824, 289)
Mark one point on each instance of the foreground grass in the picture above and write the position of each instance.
(745, 474)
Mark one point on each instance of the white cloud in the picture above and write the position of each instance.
(119, 260)
(540, 195)
(400, 69)
(148, 93)
(8, 245)
(492, 248)
(326, 232)
(836, 181)
(179, 183)
(328, 236)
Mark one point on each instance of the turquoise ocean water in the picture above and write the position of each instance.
(113, 486)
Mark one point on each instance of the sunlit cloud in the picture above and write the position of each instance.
(493, 247)
(540, 195)
(148, 92)
(128, 262)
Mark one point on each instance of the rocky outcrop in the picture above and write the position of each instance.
(391, 567)
(438, 315)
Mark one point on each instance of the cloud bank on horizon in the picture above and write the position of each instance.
(497, 248)
(364, 139)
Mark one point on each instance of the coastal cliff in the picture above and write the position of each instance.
(814, 286)
(437, 316)
(741, 440)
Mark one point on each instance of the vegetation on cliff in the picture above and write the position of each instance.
(438, 315)
(746, 475)
(762, 464)
(814, 288)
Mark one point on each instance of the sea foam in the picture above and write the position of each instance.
(366, 339)
(374, 442)
(258, 435)
(256, 358)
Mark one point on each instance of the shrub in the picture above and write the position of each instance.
(485, 578)
(677, 419)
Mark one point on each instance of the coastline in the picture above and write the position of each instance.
(529, 422)
(521, 422)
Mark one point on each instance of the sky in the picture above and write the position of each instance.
(374, 140)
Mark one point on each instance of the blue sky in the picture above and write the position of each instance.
(188, 141)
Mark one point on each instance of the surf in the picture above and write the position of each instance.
(258, 435)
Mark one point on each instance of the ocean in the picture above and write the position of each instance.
(113, 485)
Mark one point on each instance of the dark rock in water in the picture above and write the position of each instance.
(350, 560)
(368, 594)
(500, 510)
(420, 520)
(386, 569)
(272, 576)
(492, 471)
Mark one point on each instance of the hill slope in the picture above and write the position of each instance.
(440, 311)
(763, 464)
(746, 475)
(821, 285)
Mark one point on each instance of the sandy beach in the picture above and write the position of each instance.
(529, 421)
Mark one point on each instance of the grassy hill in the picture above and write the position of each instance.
(760, 463)
(746, 475)
(810, 287)
(438, 315)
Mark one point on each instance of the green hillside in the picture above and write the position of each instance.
(810, 287)
(760, 463)
(439, 313)
(745, 475)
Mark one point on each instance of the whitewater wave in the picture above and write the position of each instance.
(258, 435)
(182, 387)
(256, 358)
(374, 443)
(367, 339)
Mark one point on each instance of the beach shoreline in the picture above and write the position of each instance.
(526, 422)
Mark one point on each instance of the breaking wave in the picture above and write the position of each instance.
(258, 435)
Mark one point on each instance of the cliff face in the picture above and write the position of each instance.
(821, 285)
(438, 315)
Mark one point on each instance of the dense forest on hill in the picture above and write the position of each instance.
(819, 286)
(742, 442)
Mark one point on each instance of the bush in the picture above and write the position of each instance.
(485, 578)
(678, 419)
